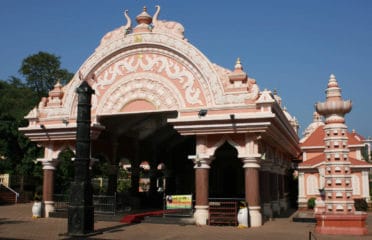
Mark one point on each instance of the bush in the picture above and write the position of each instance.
(311, 203)
(360, 204)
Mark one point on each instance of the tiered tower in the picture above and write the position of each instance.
(338, 190)
(340, 216)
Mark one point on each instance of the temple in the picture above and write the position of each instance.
(159, 100)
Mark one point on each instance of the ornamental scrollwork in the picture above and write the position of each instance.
(151, 63)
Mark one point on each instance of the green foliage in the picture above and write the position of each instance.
(311, 203)
(124, 185)
(42, 71)
(100, 168)
(360, 204)
(124, 181)
(16, 99)
(18, 153)
(64, 172)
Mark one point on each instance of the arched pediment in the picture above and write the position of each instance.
(148, 87)
(173, 59)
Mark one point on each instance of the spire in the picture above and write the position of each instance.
(238, 76)
(238, 65)
(56, 95)
(334, 108)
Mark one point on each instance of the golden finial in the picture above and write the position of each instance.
(238, 61)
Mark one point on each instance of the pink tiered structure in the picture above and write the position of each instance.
(339, 216)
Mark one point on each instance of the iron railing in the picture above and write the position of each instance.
(224, 211)
(103, 204)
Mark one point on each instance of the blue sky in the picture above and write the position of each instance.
(289, 45)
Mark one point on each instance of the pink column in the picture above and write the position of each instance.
(201, 167)
(48, 186)
(252, 188)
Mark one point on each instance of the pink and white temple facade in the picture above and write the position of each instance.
(156, 93)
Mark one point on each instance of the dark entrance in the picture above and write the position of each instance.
(147, 137)
(226, 177)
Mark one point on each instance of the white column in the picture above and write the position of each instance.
(365, 186)
(301, 190)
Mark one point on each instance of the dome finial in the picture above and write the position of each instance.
(238, 64)
(332, 82)
(238, 75)
(144, 20)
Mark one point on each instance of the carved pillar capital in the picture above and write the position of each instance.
(251, 161)
(48, 164)
(201, 161)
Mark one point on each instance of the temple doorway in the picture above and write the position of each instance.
(144, 142)
(226, 176)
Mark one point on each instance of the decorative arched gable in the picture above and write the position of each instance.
(185, 77)
(178, 63)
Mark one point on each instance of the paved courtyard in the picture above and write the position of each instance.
(16, 223)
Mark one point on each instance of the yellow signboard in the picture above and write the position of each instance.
(179, 201)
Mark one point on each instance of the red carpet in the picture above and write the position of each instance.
(138, 217)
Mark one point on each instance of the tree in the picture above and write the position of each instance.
(64, 174)
(16, 99)
(16, 151)
(42, 71)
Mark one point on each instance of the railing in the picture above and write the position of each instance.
(224, 211)
(61, 202)
(102, 203)
(10, 189)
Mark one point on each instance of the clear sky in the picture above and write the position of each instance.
(289, 45)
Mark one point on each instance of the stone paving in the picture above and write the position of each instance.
(16, 223)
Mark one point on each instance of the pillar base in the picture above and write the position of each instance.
(255, 216)
(201, 215)
(341, 224)
(267, 210)
(48, 208)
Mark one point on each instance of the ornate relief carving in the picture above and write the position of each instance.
(146, 86)
(151, 63)
(186, 55)
(209, 78)
(168, 27)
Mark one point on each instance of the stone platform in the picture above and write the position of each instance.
(342, 224)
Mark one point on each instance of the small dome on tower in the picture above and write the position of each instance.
(144, 21)
(144, 17)
(238, 76)
(57, 91)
